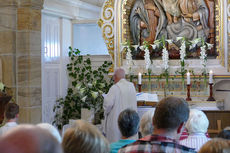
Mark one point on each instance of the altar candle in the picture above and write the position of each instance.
(210, 76)
(188, 78)
(139, 78)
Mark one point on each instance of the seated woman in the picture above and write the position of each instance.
(128, 122)
(84, 137)
(197, 126)
(146, 124)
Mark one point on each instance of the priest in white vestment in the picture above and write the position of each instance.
(121, 95)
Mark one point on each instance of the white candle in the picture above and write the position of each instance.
(210, 76)
(139, 78)
(188, 78)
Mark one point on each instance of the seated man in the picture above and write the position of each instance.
(169, 118)
(128, 123)
(29, 139)
(197, 126)
(11, 115)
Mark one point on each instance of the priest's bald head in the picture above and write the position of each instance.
(119, 74)
(29, 139)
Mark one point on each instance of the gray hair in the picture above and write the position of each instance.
(84, 137)
(128, 122)
(119, 73)
(197, 122)
(146, 124)
(170, 113)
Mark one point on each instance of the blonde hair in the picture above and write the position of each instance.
(216, 145)
(84, 137)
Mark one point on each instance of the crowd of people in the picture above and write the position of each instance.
(171, 128)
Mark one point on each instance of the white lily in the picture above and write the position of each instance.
(82, 90)
(135, 46)
(142, 47)
(78, 86)
(209, 46)
(94, 94)
(147, 59)
(154, 46)
(1, 86)
(90, 85)
(165, 58)
(179, 38)
(169, 41)
(182, 51)
(84, 98)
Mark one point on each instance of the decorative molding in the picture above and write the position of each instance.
(106, 23)
(71, 9)
(220, 31)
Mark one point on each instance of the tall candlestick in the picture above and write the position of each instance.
(210, 76)
(139, 78)
(188, 78)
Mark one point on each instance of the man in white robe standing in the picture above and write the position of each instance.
(121, 95)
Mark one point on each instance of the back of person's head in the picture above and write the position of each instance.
(146, 124)
(119, 74)
(170, 113)
(84, 137)
(51, 129)
(11, 111)
(216, 145)
(29, 139)
(225, 133)
(197, 122)
(128, 122)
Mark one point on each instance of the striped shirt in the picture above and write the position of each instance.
(195, 140)
(155, 144)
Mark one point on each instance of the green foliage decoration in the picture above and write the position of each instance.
(85, 91)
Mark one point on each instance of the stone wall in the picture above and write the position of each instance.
(20, 52)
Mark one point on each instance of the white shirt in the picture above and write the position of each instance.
(7, 127)
(121, 96)
(195, 140)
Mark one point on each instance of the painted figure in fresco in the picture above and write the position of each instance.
(144, 21)
(150, 19)
(193, 22)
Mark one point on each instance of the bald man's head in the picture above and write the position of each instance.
(119, 74)
(29, 139)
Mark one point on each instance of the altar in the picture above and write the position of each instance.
(171, 61)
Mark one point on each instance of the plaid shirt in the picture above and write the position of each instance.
(155, 144)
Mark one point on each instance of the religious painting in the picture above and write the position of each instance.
(150, 20)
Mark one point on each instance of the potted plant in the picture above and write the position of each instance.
(85, 91)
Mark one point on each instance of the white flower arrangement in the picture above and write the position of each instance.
(147, 59)
(129, 57)
(203, 56)
(182, 48)
(165, 58)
